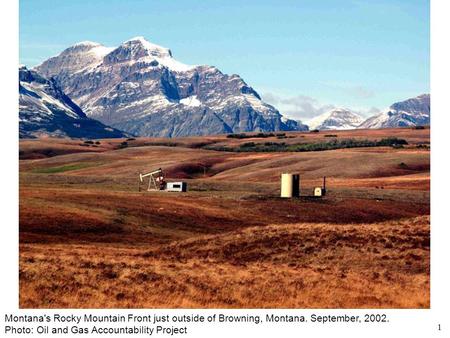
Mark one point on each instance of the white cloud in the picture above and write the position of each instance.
(372, 111)
(299, 107)
(303, 107)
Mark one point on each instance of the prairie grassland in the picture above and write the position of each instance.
(89, 239)
(381, 265)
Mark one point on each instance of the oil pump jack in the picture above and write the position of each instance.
(156, 180)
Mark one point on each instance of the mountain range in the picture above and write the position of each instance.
(44, 110)
(408, 113)
(141, 89)
(411, 112)
(338, 118)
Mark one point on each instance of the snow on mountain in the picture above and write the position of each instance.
(140, 88)
(83, 55)
(44, 109)
(337, 119)
(191, 101)
(139, 49)
(411, 112)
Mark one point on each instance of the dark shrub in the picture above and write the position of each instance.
(123, 145)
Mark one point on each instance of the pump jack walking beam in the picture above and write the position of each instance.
(155, 180)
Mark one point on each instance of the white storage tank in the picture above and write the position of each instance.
(176, 186)
(290, 185)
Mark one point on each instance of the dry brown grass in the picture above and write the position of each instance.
(289, 266)
(89, 239)
(48, 147)
(74, 215)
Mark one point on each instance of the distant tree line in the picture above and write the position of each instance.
(320, 146)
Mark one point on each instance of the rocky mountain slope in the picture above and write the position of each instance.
(140, 88)
(411, 112)
(44, 109)
(408, 113)
(338, 119)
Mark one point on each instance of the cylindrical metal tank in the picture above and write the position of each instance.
(296, 185)
(290, 185)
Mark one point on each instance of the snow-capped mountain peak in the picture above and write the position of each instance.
(411, 112)
(86, 43)
(338, 118)
(140, 88)
(82, 55)
(138, 49)
(153, 49)
(88, 47)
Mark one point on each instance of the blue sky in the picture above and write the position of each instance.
(302, 56)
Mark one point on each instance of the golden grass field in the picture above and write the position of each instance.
(89, 239)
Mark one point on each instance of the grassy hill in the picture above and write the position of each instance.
(88, 238)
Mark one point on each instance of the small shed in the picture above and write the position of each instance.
(318, 191)
(176, 186)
